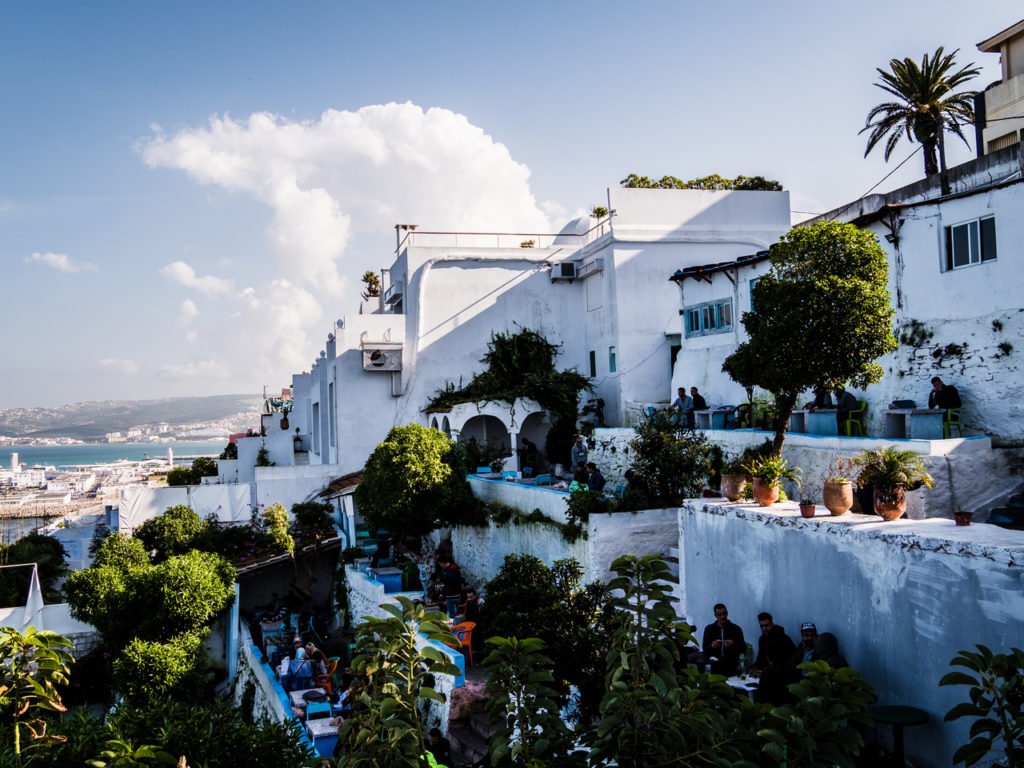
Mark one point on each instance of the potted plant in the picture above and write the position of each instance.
(892, 472)
(768, 473)
(807, 506)
(837, 491)
(734, 480)
(963, 517)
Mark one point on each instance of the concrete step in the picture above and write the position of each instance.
(467, 746)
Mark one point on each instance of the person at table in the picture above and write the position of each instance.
(578, 454)
(773, 646)
(682, 405)
(822, 400)
(595, 480)
(723, 643)
(318, 662)
(697, 403)
(300, 671)
(826, 648)
(439, 747)
(451, 580)
(845, 402)
(581, 474)
(944, 396)
(805, 651)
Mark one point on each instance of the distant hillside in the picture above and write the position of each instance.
(91, 421)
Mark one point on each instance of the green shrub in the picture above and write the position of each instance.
(173, 532)
(275, 528)
(179, 476)
(151, 671)
(313, 520)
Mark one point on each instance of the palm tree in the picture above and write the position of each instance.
(927, 106)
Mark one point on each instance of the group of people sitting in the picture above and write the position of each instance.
(447, 590)
(585, 472)
(723, 646)
(686, 404)
(298, 671)
(845, 403)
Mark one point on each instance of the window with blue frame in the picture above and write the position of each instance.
(708, 318)
(752, 284)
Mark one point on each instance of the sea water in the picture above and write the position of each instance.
(105, 453)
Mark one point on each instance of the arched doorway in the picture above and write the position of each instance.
(485, 439)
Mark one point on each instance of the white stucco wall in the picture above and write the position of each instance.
(480, 552)
(902, 598)
(291, 485)
(227, 502)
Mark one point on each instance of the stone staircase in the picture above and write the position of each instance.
(469, 739)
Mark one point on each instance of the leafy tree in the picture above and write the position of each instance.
(275, 527)
(670, 462)
(412, 481)
(651, 715)
(118, 550)
(313, 520)
(203, 466)
(386, 728)
(526, 598)
(153, 602)
(173, 532)
(371, 284)
(714, 182)
(34, 664)
(151, 671)
(524, 707)
(179, 476)
(996, 690)
(821, 317)
(48, 553)
(522, 365)
(824, 723)
(926, 106)
(230, 451)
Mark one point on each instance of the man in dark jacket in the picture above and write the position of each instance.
(723, 643)
(943, 396)
(451, 585)
(773, 646)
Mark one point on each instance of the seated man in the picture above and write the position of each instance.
(822, 399)
(596, 480)
(773, 646)
(697, 403)
(580, 474)
(439, 747)
(723, 643)
(805, 651)
(826, 648)
(845, 402)
(943, 396)
(682, 405)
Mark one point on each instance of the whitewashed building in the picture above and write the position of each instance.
(1000, 107)
(956, 277)
(598, 289)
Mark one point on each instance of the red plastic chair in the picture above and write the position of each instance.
(464, 634)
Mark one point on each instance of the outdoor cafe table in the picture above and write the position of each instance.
(914, 423)
(324, 735)
(818, 422)
(710, 419)
(296, 700)
(744, 683)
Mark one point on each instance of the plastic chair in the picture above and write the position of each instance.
(543, 479)
(325, 680)
(951, 421)
(464, 634)
(527, 471)
(483, 470)
(318, 708)
(855, 417)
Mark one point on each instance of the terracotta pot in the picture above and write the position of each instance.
(765, 494)
(962, 517)
(837, 496)
(807, 509)
(733, 485)
(284, 422)
(890, 503)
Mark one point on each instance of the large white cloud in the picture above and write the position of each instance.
(363, 170)
(324, 181)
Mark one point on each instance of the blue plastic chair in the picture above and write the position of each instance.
(543, 479)
(319, 709)
(483, 470)
(527, 471)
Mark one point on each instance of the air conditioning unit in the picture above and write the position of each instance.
(382, 359)
(563, 270)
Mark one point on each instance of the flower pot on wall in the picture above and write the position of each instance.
(733, 486)
(890, 503)
(837, 496)
(284, 422)
(766, 494)
(962, 517)
(807, 509)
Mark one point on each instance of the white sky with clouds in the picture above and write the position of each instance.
(190, 194)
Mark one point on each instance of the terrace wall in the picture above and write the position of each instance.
(902, 597)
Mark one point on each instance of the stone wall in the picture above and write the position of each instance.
(902, 597)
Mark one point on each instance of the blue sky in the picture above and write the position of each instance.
(149, 252)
